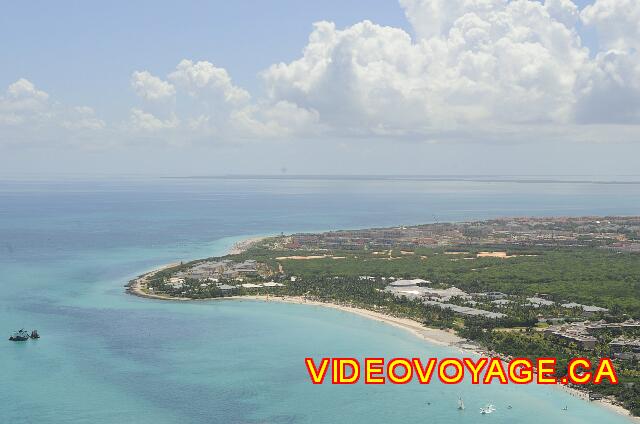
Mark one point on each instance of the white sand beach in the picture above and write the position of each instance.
(432, 335)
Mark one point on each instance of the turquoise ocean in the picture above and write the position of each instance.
(68, 247)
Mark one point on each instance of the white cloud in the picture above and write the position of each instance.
(209, 106)
(83, 118)
(145, 121)
(434, 18)
(24, 89)
(202, 79)
(150, 87)
(564, 11)
(274, 120)
(616, 21)
(481, 69)
(355, 78)
(488, 62)
(22, 102)
(609, 91)
(29, 115)
(487, 69)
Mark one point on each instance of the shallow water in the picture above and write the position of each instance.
(68, 247)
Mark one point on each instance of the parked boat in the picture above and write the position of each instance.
(19, 336)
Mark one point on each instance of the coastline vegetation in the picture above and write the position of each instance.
(357, 277)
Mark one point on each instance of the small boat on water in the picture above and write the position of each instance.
(489, 409)
(19, 336)
(23, 335)
(460, 404)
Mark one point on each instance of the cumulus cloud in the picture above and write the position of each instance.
(145, 121)
(434, 18)
(616, 21)
(487, 69)
(472, 66)
(202, 79)
(82, 118)
(27, 112)
(609, 90)
(209, 105)
(469, 69)
(24, 89)
(488, 61)
(564, 11)
(22, 102)
(274, 120)
(353, 78)
(150, 87)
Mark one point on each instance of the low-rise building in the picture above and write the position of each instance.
(444, 295)
(587, 310)
(412, 291)
(494, 295)
(537, 302)
(465, 310)
(176, 282)
(226, 287)
(574, 332)
(405, 283)
(624, 348)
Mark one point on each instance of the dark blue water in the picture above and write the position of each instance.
(68, 247)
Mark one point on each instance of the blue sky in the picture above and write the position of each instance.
(84, 52)
(88, 83)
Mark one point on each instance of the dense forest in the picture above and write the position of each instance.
(588, 275)
(592, 276)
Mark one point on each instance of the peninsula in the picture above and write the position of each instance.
(516, 287)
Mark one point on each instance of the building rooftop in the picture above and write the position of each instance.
(465, 310)
(414, 282)
(540, 301)
(586, 308)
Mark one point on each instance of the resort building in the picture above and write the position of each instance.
(587, 310)
(593, 327)
(465, 310)
(226, 287)
(537, 302)
(624, 348)
(444, 295)
(405, 283)
(176, 282)
(574, 332)
(494, 295)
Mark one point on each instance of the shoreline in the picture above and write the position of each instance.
(136, 286)
(244, 245)
(431, 335)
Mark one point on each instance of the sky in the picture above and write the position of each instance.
(334, 87)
